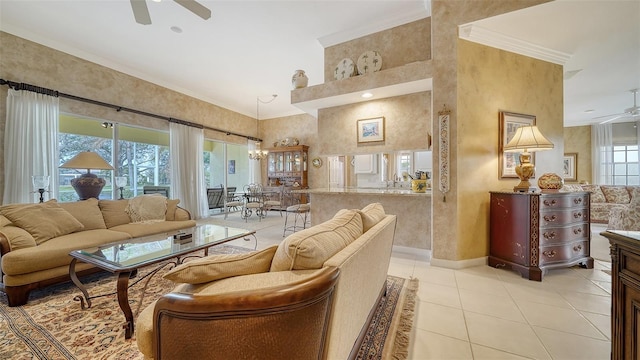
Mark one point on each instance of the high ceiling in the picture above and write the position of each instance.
(250, 49)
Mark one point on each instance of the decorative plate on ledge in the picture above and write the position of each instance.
(317, 162)
(369, 62)
(344, 69)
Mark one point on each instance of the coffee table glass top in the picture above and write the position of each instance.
(136, 252)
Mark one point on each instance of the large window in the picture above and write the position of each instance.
(625, 165)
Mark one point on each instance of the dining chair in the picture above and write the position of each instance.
(273, 200)
(254, 201)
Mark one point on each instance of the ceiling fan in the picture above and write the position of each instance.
(633, 111)
(141, 11)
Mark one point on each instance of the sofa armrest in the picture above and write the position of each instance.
(182, 214)
(4, 245)
(258, 323)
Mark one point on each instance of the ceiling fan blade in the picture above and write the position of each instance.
(613, 118)
(195, 8)
(610, 115)
(141, 12)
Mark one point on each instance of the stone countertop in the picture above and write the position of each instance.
(363, 191)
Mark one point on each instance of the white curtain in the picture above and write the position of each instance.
(30, 145)
(186, 145)
(602, 153)
(255, 173)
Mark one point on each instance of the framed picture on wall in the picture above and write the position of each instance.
(231, 167)
(570, 167)
(509, 123)
(370, 130)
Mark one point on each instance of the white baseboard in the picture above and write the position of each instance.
(459, 264)
(420, 254)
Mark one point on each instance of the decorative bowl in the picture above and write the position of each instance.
(550, 181)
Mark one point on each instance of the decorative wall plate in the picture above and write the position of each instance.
(369, 62)
(316, 162)
(344, 69)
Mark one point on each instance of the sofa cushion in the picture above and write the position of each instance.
(310, 248)
(172, 206)
(616, 194)
(87, 212)
(371, 215)
(18, 238)
(143, 229)
(150, 207)
(113, 212)
(43, 221)
(4, 221)
(216, 267)
(596, 193)
(571, 187)
(55, 252)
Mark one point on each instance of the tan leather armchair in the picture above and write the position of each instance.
(279, 322)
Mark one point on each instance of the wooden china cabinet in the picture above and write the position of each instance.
(288, 166)
(533, 232)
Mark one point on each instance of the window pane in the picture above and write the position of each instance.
(633, 180)
(619, 156)
(620, 169)
(632, 169)
(632, 156)
(619, 180)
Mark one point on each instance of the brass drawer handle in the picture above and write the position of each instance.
(550, 254)
(550, 203)
(577, 201)
(550, 218)
(577, 248)
(550, 235)
(577, 215)
(577, 231)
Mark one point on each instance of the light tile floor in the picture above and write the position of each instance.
(486, 313)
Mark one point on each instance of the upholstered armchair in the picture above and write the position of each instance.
(626, 218)
(287, 321)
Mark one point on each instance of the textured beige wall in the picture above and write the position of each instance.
(450, 240)
(490, 80)
(577, 139)
(397, 46)
(28, 62)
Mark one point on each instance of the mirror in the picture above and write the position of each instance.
(378, 170)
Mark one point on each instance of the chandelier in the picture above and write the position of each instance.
(258, 154)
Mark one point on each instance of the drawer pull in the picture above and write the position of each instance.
(550, 235)
(577, 248)
(577, 215)
(550, 203)
(550, 218)
(577, 201)
(550, 254)
(577, 231)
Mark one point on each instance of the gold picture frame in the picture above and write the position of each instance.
(509, 123)
(570, 167)
(370, 130)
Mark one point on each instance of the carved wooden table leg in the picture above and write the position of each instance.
(123, 301)
(76, 281)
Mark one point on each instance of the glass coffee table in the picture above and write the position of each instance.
(126, 257)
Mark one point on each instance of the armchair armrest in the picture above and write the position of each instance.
(287, 321)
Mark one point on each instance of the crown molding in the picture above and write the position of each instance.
(480, 35)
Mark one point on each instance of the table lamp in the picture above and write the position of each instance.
(88, 185)
(527, 139)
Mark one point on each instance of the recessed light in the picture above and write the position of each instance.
(367, 95)
(589, 111)
(157, 0)
(176, 29)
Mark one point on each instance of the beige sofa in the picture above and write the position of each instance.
(604, 198)
(261, 305)
(36, 239)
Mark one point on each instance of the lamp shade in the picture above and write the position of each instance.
(528, 138)
(87, 160)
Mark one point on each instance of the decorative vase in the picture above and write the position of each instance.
(550, 182)
(299, 79)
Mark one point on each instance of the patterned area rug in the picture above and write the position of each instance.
(53, 326)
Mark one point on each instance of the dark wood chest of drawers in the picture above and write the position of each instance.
(534, 232)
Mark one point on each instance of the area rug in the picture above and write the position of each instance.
(53, 326)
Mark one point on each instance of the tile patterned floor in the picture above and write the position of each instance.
(486, 313)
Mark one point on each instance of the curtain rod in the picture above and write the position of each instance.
(40, 90)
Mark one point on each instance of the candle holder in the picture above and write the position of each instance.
(121, 182)
(40, 182)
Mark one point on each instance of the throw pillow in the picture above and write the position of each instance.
(312, 247)
(18, 238)
(217, 267)
(596, 193)
(113, 212)
(616, 194)
(150, 207)
(172, 206)
(87, 212)
(371, 215)
(43, 221)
